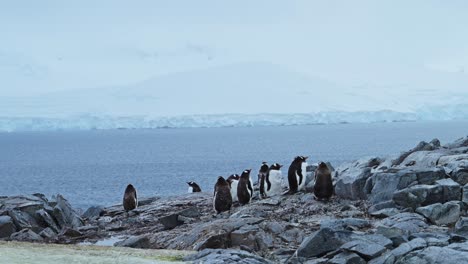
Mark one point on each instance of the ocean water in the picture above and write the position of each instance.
(94, 167)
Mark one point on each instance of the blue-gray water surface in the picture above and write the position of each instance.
(94, 167)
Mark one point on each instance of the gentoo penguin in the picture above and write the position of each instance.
(296, 177)
(263, 171)
(273, 182)
(193, 187)
(244, 188)
(323, 188)
(130, 200)
(222, 200)
(233, 181)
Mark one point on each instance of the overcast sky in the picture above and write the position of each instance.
(58, 45)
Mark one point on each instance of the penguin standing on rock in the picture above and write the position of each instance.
(193, 187)
(296, 179)
(222, 200)
(323, 188)
(262, 172)
(233, 181)
(272, 183)
(244, 188)
(130, 200)
(262, 178)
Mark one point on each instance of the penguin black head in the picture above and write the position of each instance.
(275, 166)
(301, 158)
(192, 184)
(233, 177)
(221, 181)
(130, 188)
(246, 173)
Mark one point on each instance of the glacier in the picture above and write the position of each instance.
(96, 121)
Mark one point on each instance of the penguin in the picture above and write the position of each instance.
(233, 181)
(272, 184)
(222, 199)
(263, 171)
(323, 188)
(130, 200)
(244, 188)
(296, 177)
(193, 187)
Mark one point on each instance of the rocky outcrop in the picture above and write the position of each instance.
(35, 218)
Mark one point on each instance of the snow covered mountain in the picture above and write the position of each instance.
(244, 94)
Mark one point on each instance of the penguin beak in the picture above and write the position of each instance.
(305, 158)
(280, 166)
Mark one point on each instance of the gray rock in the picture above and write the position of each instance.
(7, 227)
(65, 214)
(460, 175)
(408, 222)
(23, 220)
(461, 142)
(441, 214)
(365, 249)
(323, 241)
(435, 255)
(352, 178)
(422, 146)
(70, 232)
(345, 224)
(386, 212)
(383, 205)
(225, 256)
(142, 241)
(421, 195)
(433, 239)
(423, 159)
(93, 212)
(461, 227)
(384, 184)
(170, 221)
(45, 220)
(346, 258)
(48, 233)
(26, 235)
(396, 235)
(465, 195)
(191, 212)
(245, 236)
(459, 246)
(405, 248)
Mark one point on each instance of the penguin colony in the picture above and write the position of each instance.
(270, 181)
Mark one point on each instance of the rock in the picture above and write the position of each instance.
(345, 224)
(386, 212)
(433, 239)
(214, 234)
(405, 248)
(70, 232)
(421, 195)
(45, 220)
(225, 256)
(383, 205)
(409, 222)
(191, 212)
(465, 195)
(435, 255)
(366, 249)
(461, 227)
(323, 241)
(23, 220)
(93, 211)
(423, 159)
(351, 178)
(26, 235)
(461, 142)
(422, 146)
(245, 236)
(7, 227)
(384, 184)
(396, 235)
(48, 233)
(170, 221)
(141, 241)
(346, 258)
(459, 246)
(65, 214)
(441, 214)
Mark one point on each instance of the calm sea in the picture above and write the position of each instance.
(94, 167)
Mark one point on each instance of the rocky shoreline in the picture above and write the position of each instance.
(410, 208)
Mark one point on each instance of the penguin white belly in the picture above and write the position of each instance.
(190, 189)
(250, 191)
(136, 202)
(234, 184)
(276, 180)
(304, 170)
